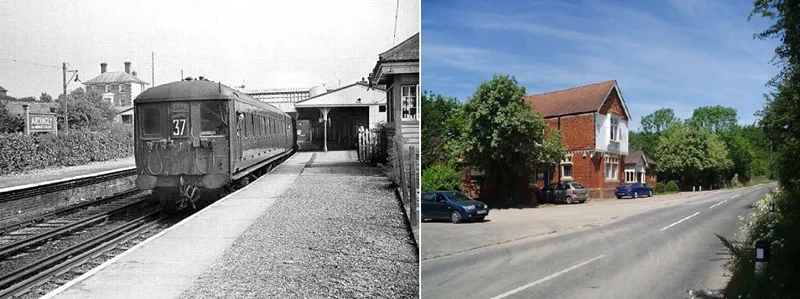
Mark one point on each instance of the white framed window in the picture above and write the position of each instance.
(566, 167)
(614, 128)
(630, 176)
(611, 168)
(122, 88)
(408, 102)
(108, 88)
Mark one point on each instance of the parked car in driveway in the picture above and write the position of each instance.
(452, 205)
(634, 190)
(569, 192)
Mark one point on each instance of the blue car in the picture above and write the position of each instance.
(634, 190)
(452, 205)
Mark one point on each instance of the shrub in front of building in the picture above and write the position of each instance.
(672, 187)
(660, 188)
(19, 152)
(440, 177)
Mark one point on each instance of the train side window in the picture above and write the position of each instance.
(151, 120)
(261, 125)
(212, 118)
(252, 127)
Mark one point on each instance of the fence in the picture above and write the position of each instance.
(406, 161)
(372, 146)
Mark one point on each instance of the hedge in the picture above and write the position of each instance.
(19, 152)
(672, 186)
(440, 177)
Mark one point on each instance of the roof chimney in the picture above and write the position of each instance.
(103, 66)
(127, 67)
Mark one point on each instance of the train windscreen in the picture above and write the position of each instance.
(213, 118)
(151, 119)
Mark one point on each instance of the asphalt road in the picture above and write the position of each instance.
(657, 253)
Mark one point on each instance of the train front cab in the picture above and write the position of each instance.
(182, 146)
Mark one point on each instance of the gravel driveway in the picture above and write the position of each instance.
(339, 232)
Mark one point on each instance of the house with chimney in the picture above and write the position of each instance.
(119, 89)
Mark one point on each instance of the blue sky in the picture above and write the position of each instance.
(676, 54)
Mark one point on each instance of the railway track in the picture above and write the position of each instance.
(16, 241)
(25, 191)
(77, 259)
(64, 211)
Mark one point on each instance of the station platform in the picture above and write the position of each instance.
(319, 225)
(46, 175)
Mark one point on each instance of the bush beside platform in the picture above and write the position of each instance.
(20, 153)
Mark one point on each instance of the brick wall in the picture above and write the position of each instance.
(577, 131)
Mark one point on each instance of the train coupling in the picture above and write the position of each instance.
(189, 195)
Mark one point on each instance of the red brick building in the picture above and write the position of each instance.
(593, 121)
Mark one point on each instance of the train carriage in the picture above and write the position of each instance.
(197, 135)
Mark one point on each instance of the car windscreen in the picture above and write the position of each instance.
(213, 119)
(458, 196)
(577, 186)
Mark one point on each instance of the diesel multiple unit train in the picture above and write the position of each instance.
(194, 136)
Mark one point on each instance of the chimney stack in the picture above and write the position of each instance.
(127, 67)
(103, 66)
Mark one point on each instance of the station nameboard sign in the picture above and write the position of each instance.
(41, 122)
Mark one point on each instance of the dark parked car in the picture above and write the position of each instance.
(569, 192)
(452, 205)
(633, 190)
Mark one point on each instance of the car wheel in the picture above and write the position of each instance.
(636, 194)
(568, 199)
(455, 217)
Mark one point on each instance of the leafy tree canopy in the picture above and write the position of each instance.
(691, 153)
(718, 119)
(436, 113)
(659, 121)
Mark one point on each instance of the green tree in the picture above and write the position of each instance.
(693, 155)
(45, 98)
(86, 110)
(440, 177)
(503, 137)
(436, 111)
(718, 119)
(659, 121)
(741, 154)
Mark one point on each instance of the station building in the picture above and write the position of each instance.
(119, 89)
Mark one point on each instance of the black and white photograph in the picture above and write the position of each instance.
(209, 149)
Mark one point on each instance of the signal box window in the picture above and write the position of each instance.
(212, 118)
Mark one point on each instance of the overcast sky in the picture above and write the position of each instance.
(265, 44)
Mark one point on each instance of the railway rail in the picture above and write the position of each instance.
(25, 191)
(59, 227)
(91, 252)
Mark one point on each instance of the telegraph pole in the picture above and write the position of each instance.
(64, 82)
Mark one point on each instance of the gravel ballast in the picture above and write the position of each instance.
(338, 232)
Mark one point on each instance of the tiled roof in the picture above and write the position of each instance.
(114, 77)
(404, 51)
(633, 157)
(575, 100)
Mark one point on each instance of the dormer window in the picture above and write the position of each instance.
(614, 128)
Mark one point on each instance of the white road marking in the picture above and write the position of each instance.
(719, 203)
(554, 275)
(737, 194)
(679, 221)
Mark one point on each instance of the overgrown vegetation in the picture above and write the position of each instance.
(440, 177)
(779, 123)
